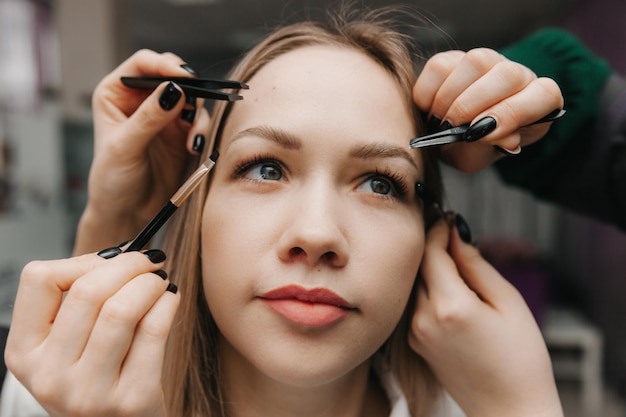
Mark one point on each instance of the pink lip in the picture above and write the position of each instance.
(315, 308)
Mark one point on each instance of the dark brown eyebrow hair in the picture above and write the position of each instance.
(290, 141)
(281, 137)
(383, 150)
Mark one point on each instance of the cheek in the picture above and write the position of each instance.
(393, 265)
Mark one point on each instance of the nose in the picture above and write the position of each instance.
(315, 230)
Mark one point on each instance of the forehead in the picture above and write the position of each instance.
(325, 87)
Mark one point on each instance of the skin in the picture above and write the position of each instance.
(88, 335)
(319, 224)
(130, 179)
(140, 152)
(463, 87)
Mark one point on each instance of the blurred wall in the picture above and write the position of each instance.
(591, 253)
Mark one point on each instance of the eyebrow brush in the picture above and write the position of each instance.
(170, 207)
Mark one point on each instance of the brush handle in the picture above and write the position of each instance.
(152, 228)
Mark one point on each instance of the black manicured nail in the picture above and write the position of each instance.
(445, 126)
(169, 97)
(464, 230)
(191, 100)
(155, 255)
(198, 143)
(188, 115)
(161, 273)
(433, 125)
(172, 288)
(109, 253)
(187, 68)
(480, 129)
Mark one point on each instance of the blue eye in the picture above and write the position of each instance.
(386, 184)
(268, 172)
(260, 170)
(380, 185)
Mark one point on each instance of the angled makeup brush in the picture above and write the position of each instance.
(170, 207)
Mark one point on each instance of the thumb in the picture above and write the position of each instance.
(161, 107)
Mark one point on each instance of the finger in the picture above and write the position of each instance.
(144, 63)
(146, 354)
(474, 66)
(480, 276)
(476, 156)
(419, 322)
(158, 110)
(504, 79)
(39, 297)
(512, 116)
(111, 91)
(196, 144)
(436, 70)
(81, 306)
(517, 112)
(117, 320)
(438, 270)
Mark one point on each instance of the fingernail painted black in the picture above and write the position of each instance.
(198, 143)
(172, 288)
(188, 115)
(464, 230)
(191, 100)
(433, 124)
(155, 255)
(169, 96)
(480, 129)
(161, 273)
(109, 253)
(445, 126)
(187, 68)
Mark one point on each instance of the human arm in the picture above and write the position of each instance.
(478, 335)
(143, 143)
(581, 163)
(88, 335)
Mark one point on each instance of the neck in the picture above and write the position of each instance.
(250, 392)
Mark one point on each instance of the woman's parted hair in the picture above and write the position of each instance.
(192, 369)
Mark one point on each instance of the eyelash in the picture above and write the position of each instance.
(244, 166)
(397, 181)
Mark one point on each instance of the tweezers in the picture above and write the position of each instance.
(193, 87)
(457, 134)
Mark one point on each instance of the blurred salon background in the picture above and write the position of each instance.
(570, 269)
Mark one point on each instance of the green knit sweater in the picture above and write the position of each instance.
(581, 76)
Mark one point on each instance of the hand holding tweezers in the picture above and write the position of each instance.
(194, 87)
(457, 134)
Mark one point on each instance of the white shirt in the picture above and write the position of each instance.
(16, 401)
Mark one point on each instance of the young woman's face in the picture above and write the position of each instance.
(312, 236)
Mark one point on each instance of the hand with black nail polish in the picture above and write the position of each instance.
(504, 102)
(115, 312)
(480, 129)
(144, 141)
(464, 304)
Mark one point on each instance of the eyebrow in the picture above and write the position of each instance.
(291, 141)
(383, 150)
(281, 137)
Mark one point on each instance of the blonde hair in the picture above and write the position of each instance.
(192, 366)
